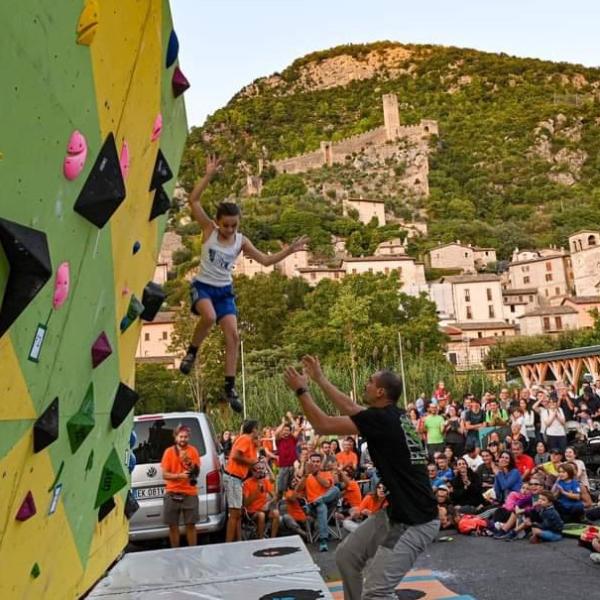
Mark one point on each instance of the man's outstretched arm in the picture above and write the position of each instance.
(322, 423)
(343, 402)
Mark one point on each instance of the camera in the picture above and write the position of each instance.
(193, 474)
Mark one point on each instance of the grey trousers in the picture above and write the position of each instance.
(393, 548)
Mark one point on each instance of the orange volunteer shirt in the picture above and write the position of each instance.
(352, 494)
(369, 502)
(245, 444)
(250, 487)
(173, 464)
(314, 490)
(293, 507)
(347, 459)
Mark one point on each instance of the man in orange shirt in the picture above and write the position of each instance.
(347, 457)
(242, 456)
(294, 516)
(321, 493)
(351, 495)
(181, 465)
(258, 495)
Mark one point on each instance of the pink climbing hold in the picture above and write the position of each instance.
(76, 156)
(101, 350)
(61, 285)
(124, 159)
(179, 82)
(27, 509)
(157, 128)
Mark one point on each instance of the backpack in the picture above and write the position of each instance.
(471, 524)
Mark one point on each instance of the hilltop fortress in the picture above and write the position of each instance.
(406, 143)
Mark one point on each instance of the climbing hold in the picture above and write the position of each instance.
(172, 49)
(76, 155)
(28, 258)
(160, 204)
(104, 189)
(179, 82)
(27, 509)
(82, 422)
(152, 300)
(136, 247)
(105, 509)
(61, 285)
(131, 505)
(90, 462)
(58, 474)
(112, 479)
(45, 429)
(131, 462)
(88, 23)
(157, 127)
(124, 159)
(161, 173)
(35, 571)
(134, 310)
(132, 439)
(125, 399)
(55, 497)
(101, 350)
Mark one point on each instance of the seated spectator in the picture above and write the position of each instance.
(335, 446)
(541, 454)
(351, 495)
(321, 494)
(581, 476)
(520, 507)
(515, 435)
(545, 521)
(367, 469)
(494, 447)
(473, 457)
(258, 494)
(449, 454)
(442, 495)
(523, 461)
(434, 479)
(466, 488)
(508, 479)
(371, 504)
(294, 516)
(487, 470)
(448, 516)
(551, 467)
(444, 471)
(567, 493)
(301, 463)
(347, 457)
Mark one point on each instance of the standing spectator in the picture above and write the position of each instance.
(433, 425)
(529, 418)
(243, 456)
(226, 443)
(181, 465)
(301, 462)
(508, 479)
(335, 446)
(553, 420)
(495, 416)
(474, 420)
(329, 458)
(453, 431)
(442, 395)
(286, 440)
(258, 496)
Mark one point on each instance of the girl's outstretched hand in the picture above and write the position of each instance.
(213, 165)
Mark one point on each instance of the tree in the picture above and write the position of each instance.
(161, 390)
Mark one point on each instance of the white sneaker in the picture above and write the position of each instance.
(595, 557)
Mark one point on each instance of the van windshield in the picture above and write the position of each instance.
(154, 437)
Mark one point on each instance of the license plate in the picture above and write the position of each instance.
(156, 491)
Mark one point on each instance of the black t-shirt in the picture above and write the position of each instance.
(398, 454)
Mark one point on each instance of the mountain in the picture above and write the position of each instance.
(515, 161)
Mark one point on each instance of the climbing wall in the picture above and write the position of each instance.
(92, 126)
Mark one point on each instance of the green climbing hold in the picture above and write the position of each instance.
(112, 479)
(90, 462)
(83, 421)
(35, 571)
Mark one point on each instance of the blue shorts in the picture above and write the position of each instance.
(222, 298)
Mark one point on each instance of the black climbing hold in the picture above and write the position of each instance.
(104, 189)
(105, 508)
(125, 399)
(28, 258)
(82, 422)
(45, 429)
(172, 49)
(276, 551)
(160, 204)
(35, 571)
(152, 299)
(131, 505)
(294, 594)
(136, 247)
(161, 173)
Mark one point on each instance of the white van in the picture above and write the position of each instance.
(154, 436)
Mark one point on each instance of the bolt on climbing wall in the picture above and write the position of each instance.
(92, 127)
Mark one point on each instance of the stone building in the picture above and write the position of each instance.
(244, 265)
(476, 298)
(465, 257)
(367, 209)
(517, 302)
(548, 319)
(313, 275)
(411, 272)
(155, 339)
(584, 305)
(585, 258)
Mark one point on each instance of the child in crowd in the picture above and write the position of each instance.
(213, 299)
(567, 491)
(545, 521)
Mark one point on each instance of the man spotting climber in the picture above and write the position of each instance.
(394, 538)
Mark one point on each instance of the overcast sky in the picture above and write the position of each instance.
(226, 44)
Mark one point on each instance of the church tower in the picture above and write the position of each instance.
(391, 116)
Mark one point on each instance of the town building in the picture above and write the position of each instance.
(367, 210)
(517, 302)
(585, 307)
(155, 339)
(465, 352)
(476, 298)
(390, 248)
(585, 258)
(410, 272)
(314, 275)
(548, 319)
(455, 255)
(244, 265)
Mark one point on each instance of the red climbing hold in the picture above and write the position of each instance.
(101, 350)
(27, 509)
(179, 82)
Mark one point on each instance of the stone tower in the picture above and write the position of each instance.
(391, 116)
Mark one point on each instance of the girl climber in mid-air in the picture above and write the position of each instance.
(212, 294)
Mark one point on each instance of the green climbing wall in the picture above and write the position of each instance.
(98, 68)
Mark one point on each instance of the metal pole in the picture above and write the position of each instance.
(243, 378)
(402, 370)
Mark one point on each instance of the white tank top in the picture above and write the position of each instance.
(217, 260)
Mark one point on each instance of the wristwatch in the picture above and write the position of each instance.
(300, 391)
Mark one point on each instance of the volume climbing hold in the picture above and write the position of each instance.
(134, 310)
(76, 156)
(61, 285)
(179, 82)
(101, 350)
(172, 49)
(88, 23)
(27, 508)
(160, 203)
(105, 509)
(131, 505)
(82, 422)
(45, 429)
(28, 258)
(104, 190)
(152, 300)
(161, 173)
(112, 479)
(124, 401)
